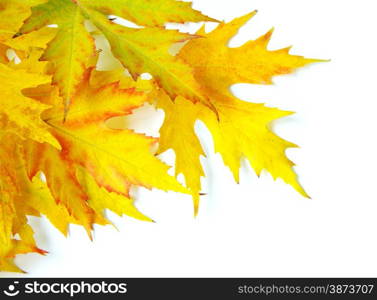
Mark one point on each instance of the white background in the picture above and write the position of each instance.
(261, 227)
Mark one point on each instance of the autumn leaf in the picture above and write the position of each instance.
(243, 128)
(116, 159)
(101, 149)
(139, 50)
(92, 172)
(59, 158)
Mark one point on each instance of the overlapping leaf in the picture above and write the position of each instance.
(242, 129)
(59, 158)
(115, 159)
(139, 50)
(13, 14)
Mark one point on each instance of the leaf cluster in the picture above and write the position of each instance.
(59, 157)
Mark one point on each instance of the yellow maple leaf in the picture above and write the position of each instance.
(92, 172)
(136, 50)
(241, 129)
(115, 159)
